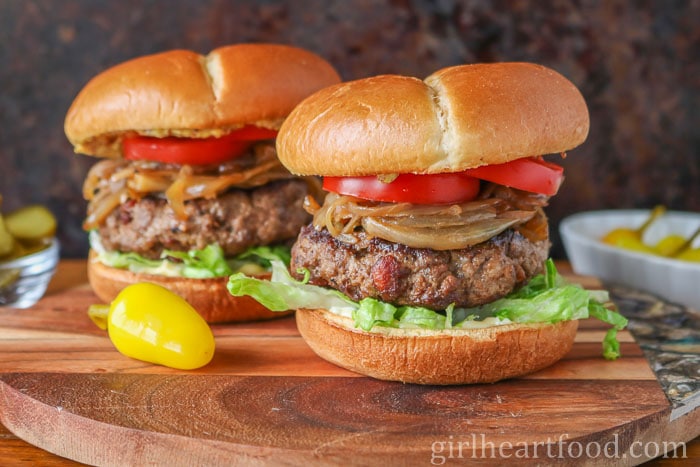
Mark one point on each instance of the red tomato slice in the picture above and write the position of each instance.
(532, 174)
(254, 133)
(194, 151)
(445, 188)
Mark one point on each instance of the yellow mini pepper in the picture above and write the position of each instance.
(150, 323)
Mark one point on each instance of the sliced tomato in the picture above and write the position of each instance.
(408, 188)
(194, 151)
(531, 174)
(254, 133)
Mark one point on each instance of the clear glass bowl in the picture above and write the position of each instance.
(23, 281)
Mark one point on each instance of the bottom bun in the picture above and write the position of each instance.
(209, 297)
(455, 356)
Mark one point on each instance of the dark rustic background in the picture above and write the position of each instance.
(636, 63)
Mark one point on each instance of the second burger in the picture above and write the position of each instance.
(190, 186)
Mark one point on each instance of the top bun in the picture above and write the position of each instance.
(183, 93)
(458, 118)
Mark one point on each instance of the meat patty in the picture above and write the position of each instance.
(236, 220)
(401, 275)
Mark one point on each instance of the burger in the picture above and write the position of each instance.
(427, 262)
(190, 187)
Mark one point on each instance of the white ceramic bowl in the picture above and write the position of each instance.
(674, 280)
(25, 279)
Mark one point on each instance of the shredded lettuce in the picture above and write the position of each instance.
(374, 313)
(259, 256)
(546, 298)
(413, 316)
(201, 264)
(195, 264)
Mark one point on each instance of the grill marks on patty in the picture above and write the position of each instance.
(236, 220)
(398, 274)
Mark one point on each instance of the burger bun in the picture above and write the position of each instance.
(458, 118)
(209, 297)
(183, 93)
(439, 357)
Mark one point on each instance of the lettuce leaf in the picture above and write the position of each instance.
(259, 255)
(195, 264)
(611, 346)
(546, 298)
(282, 292)
(201, 264)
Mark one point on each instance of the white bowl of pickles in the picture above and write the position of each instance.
(657, 251)
(29, 254)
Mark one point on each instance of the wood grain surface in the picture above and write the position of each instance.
(266, 398)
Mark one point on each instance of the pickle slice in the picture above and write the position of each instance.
(7, 242)
(8, 277)
(31, 223)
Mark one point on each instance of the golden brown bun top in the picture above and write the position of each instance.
(458, 118)
(183, 93)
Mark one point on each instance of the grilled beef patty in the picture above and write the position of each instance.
(401, 275)
(236, 220)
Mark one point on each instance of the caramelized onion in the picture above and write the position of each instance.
(149, 183)
(438, 238)
(442, 221)
(311, 205)
(109, 182)
(439, 227)
(176, 192)
(424, 210)
(536, 229)
(101, 209)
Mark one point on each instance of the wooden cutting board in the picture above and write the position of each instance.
(266, 398)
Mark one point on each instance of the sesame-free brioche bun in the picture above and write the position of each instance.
(458, 118)
(183, 93)
(440, 357)
(209, 297)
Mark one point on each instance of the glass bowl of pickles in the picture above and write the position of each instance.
(653, 250)
(29, 254)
